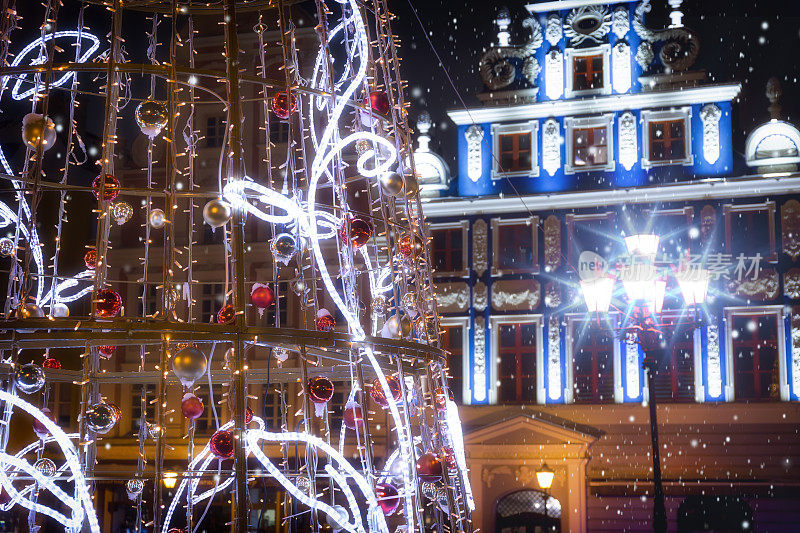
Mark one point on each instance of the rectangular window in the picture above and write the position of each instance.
(272, 410)
(211, 301)
(515, 152)
(136, 405)
(589, 147)
(452, 340)
(597, 233)
(447, 246)
(515, 247)
(750, 230)
(61, 404)
(593, 365)
(674, 378)
(215, 131)
(754, 339)
(587, 72)
(205, 424)
(278, 130)
(667, 140)
(516, 379)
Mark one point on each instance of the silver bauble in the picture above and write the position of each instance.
(299, 286)
(303, 483)
(60, 310)
(157, 218)
(189, 364)
(172, 297)
(101, 417)
(134, 488)
(412, 185)
(405, 326)
(155, 431)
(409, 303)
(46, 467)
(38, 129)
(379, 304)
(284, 247)
(29, 310)
(391, 183)
(338, 523)
(152, 116)
(281, 354)
(7, 247)
(391, 328)
(29, 378)
(217, 213)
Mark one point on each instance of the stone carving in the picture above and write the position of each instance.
(710, 115)
(764, 288)
(790, 228)
(554, 358)
(644, 55)
(480, 244)
(554, 74)
(516, 295)
(587, 22)
(551, 146)
(791, 283)
(620, 24)
(451, 297)
(480, 296)
(680, 48)
(552, 294)
(708, 219)
(552, 31)
(490, 472)
(632, 367)
(479, 368)
(552, 243)
(621, 67)
(795, 351)
(628, 145)
(714, 367)
(496, 70)
(474, 136)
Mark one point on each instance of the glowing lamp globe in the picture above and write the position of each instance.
(191, 406)
(388, 498)
(38, 130)
(226, 315)
(544, 476)
(106, 351)
(284, 105)
(353, 418)
(320, 389)
(29, 378)
(38, 427)
(360, 232)
(152, 116)
(325, 321)
(429, 467)
(262, 296)
(90, 259)
(217, 213)
(189, 365)
(51, 362)
(107, 303)
(377, 394)
(221, 444)
(379, 102)
(107, 185)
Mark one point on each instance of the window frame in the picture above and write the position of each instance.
(494, 327)
(764, 310)
(769, 207)
(571, 124)
(496, 224)
(531, 127)
(570, 219)
(616, 356)
(463, 225)
(466, 375)
(571, 53)
(682, 113)
(219, 133)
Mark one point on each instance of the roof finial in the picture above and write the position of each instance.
(503, 20)
(774, 93)
(424, 124)
(676, 14)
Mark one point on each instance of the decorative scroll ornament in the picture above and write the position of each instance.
(479, 368)
(645, 55)
(765, 287)
(621, 67)
(587, 22)
(554, 74)
(551, 146)
(708, 219)
(474, 136)
(552, 294)
(714, 367)
(497, 72)
(480, 258)
(553, 31)
(790, 228)
(710, 115)
(628, 145)
(680, 48)
(552, 243)
(791, 283)
(795, 352)
(451, 297)
(554, 358)
(516, 295)
(620, 24)
(632, 369)
(480, 296)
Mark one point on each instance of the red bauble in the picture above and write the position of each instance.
(221, 444)
(360, 232)
(191, 406)
(90, 259)
(108, 303)
(378, 395)
(320, 389)
(325, 321)
(449, 457)
(353, 417)
(248, 415)
(262, 296)
(429, 467)
(176, 530)
(439, 398)
(51, 363)
(409, 247)
(226, 315)
(283, 105)
(38, 426)
(106, 351)
(4, 496)
(388, 497)
(379, 102)
(111, 189)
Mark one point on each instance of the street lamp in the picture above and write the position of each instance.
(169, 479)
(544, 476)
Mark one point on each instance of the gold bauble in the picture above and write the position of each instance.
(38, 129)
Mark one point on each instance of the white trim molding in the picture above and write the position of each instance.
(571, 53)
(554, 73)
(474, 137)
(497, 223)
(532, 127)
(560, 5)
(466, 375)
(479, 369)
(628, 142)
(554, 390)
(463, 225)
(710, 115)
(551, 146)
(497, 320)
(621, 67)
(648, 116)
(600, 121)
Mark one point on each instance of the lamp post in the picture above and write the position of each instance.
(645, 285)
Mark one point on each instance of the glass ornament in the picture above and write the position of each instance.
(107, 303)
(360, 232)
(325, 321)
(379, 102)
(101, 417)
(116, 409)
(411, 184)
(303, 484)
(155, 431)
(363, 146)
(38, 427)
(353, 417)
(284, 247)
(157, 219)
(152, 116)
(379, 304)
(46, 467)
(60, 310)
(29, 310)
(108, 185)
(106, 351)
(134, 488)
(299, 286)
(227, 314)
(172, 298)
(388, 497)
(338, 522)
(221, 444)
(320, 389)
(90, 259)
(429, 467)
(391, 183)
(38, 130)
(433, 491)
(283, 105)
(7, 247)
(51, 362)
(378, 395)
(191, 406)
(29, 378)
(281, 354)
(189, 364)
(262, 296)
(409, 303)
(217, 212)
(409, 247)
(121, 212)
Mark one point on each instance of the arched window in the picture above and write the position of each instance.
(720, 514)
(528, 511)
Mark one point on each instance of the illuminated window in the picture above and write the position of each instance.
(587, 72)
(515, 149)
(451, 339)
(272, 410)
(754, 339)
(667, 140)
(515, 152)
(590, 147)
(516, 362)
(593, 367)
(750, 230)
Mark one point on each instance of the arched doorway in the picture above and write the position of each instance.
(528, 511)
